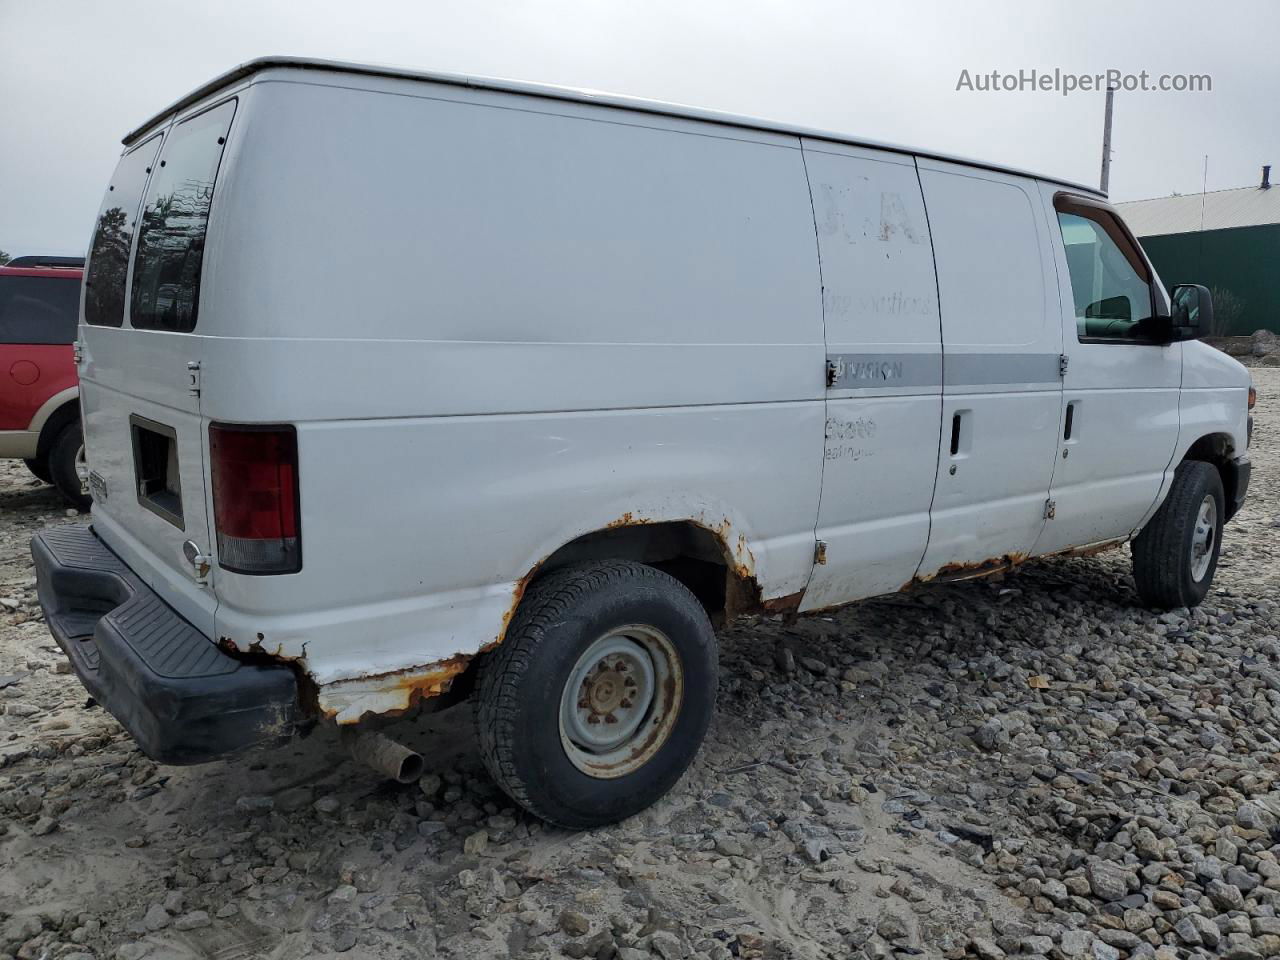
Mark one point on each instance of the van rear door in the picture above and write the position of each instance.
(141, 354)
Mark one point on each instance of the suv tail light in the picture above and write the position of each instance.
(255, 498)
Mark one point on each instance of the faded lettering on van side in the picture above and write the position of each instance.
(833, 220)
(892, 304)
(860, 428)
(894, 219)
(845, 438)
(848, 370)
(853, 371)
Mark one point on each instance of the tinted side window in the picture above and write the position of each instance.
(109, 254)
(39, 309)
(175, 216)
(1110, 284)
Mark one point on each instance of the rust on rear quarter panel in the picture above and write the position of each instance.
(395, 693)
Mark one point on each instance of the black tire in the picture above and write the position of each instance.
(518, 713)
(1162, 552)
(39, 469)
(62, 465)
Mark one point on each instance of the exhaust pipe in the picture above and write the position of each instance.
(391, 759)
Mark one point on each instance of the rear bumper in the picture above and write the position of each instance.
(181, 698)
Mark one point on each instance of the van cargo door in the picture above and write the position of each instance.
(884, 371)
(141, 356)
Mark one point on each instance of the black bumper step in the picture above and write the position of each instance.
(181, 698)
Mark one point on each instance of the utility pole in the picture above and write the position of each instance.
(1106, 140)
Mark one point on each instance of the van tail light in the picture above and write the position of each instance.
(1253, 396)
(255, 498)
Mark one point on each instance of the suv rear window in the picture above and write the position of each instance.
(39, 309)
(175, 216)
(109, 255)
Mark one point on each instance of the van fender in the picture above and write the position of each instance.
(352, 700)
(728, 525)
(1204, 425)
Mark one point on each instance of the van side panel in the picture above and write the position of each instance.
(500, 323)
(884, 404)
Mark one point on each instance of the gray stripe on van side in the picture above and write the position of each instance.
(981, 369)
(854, 371)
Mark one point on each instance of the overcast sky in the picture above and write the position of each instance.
(77, 74)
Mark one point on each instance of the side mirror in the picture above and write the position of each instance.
(1191, 312)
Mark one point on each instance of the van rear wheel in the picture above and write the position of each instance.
(600, 695)
(66, 460)
(1176, 554)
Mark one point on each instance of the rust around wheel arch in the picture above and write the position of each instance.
(399, 692)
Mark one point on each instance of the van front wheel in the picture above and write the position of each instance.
(1176, 554)
(600, 695)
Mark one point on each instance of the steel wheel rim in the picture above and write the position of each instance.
(620, 701)
(1204, 538)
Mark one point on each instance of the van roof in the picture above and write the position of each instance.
(595, 97)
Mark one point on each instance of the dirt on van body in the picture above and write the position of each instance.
(1027, 765)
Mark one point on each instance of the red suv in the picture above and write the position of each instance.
(39, 391)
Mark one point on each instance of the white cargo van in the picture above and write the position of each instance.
(402, 386)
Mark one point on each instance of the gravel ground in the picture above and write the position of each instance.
(1026, 765)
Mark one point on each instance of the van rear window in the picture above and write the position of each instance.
(175, 216)
(109, 254)
(39, 309)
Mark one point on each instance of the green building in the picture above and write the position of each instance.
(1229, 240)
